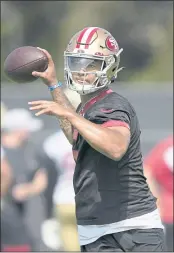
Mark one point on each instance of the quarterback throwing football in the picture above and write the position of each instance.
(115, 209)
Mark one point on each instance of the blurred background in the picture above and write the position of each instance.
(36, 158)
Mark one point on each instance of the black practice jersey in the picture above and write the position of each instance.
(108, 191)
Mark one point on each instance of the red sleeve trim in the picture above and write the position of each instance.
(112, 123)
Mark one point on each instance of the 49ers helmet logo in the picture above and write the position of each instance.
(111, 43)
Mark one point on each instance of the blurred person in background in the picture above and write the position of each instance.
(28, 181)
(58, 149)
(3, 112)
(49, 226)
(14, 235)
(159, 172)
(115, 210)
(6, 176)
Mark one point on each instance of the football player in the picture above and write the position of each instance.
(115, 209)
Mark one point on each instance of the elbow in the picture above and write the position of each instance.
(117, 156)
(117, 144)
(117, 153)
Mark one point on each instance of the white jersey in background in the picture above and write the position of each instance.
(59, 150)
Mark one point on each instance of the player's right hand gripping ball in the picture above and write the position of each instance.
(22, 61)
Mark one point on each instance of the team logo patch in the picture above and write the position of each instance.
(111, 43)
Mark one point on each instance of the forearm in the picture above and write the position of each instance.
(60, 98)
(6, 177)
(4, 186)
(38, 184)
(103, 140)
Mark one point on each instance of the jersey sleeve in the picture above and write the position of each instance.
(108, 117)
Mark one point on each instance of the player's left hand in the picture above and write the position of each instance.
(49, 108)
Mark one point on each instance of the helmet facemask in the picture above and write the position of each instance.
(88, 73)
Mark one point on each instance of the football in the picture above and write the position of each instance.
(22, 61)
